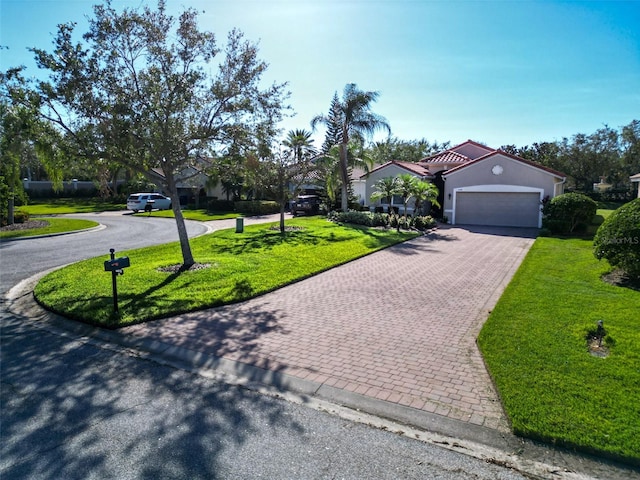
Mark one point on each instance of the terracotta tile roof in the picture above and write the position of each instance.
(446, 157)
(513, 157)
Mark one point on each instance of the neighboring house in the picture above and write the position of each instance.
(359, 185)
(193, 183)
(636, 179)
(483, 186)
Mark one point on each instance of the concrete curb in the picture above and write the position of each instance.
(48, 235)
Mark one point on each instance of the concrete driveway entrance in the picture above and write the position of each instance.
(397, 326)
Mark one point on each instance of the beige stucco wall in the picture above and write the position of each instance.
(514, 173)
(388, 171)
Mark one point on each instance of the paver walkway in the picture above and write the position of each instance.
(398, 325)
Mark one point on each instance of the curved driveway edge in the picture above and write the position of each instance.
(397, 326)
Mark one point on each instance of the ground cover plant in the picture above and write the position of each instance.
(535, 344)
(45, 226)
(231, 267)
(59, 206)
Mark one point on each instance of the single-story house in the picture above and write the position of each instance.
(480, 185)
(392, 169)
(636, 179)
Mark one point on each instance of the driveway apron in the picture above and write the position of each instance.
(399, 325)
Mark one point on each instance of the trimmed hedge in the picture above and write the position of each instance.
(567, 213)
(257, 207)
(618, 239)
(217, 205)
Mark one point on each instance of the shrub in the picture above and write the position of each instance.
(618, 239)
(217, 205)
(379, 219)
(398, 219)
(259, 207)
(20, 217)
(565, 213)
(357, 218)
(423, 222)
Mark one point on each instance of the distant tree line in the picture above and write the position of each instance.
(607, 154)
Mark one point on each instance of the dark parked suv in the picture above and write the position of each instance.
(309, 204)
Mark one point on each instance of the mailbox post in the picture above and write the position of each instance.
(115, 266)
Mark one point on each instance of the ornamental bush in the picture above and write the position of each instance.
(565, 213)
(370, 219)
(423, 222)
(256, 207)
(618, 239)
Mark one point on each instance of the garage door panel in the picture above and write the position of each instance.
(509, 209)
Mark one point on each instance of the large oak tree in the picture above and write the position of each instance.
(156, 94)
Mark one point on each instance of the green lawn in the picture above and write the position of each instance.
(534, 344)
(54, 225)
(200, 215)
(59, 206)
(240, 266)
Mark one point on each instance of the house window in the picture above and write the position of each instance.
(396, 200)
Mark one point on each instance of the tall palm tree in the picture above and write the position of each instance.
(330, 164)
(357, 121)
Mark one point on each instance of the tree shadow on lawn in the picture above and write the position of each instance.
(265, 239)
(73, 410)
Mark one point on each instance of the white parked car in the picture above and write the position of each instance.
(148, 202)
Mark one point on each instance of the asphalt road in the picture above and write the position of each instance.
(20, 259)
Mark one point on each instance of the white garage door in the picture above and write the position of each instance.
(509, 209)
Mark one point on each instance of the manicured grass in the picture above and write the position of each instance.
(200, 215)
(241, 266)
(534, 344)
(55, 225)
(59, 206)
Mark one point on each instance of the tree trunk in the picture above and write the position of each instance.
(185, 246)
(282, 202)
(344, 172)
(10, 210)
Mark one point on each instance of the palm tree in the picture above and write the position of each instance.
(300, 143)
(405, 186)
(356, 121)
(425, 192)
(385, 188)
(329, 163)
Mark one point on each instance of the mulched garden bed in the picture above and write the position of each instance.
(31, 224)
(181, 268)
(620, 279)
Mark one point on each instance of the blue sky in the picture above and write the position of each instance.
(498, 72)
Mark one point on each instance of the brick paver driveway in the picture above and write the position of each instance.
(399, 325)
